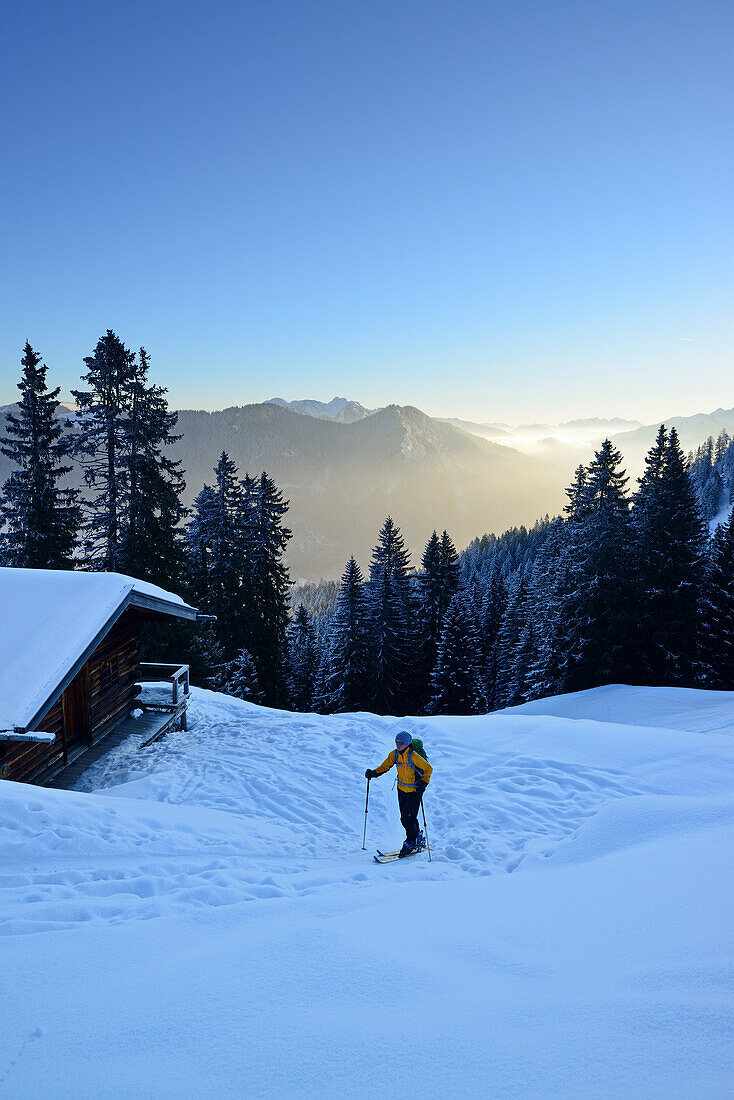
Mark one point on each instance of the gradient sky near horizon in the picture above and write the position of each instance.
(496, 210)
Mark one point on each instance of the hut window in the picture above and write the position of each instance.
(109, 674)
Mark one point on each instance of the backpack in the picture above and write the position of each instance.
(418, 747)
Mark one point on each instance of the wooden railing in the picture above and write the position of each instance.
(176, 675)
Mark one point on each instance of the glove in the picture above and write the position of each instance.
(420, 788)
(369, 774)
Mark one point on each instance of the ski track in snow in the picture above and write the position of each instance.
(199, 920)
(254, 805)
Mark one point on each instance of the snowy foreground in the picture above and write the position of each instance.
(207, 925)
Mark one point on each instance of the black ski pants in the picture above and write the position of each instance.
(409, 802)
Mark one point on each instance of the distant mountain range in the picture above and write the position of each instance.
(563, 446)
(525, 436)
(344, 467)
(339, 409)
(343, 478)
(692, 430)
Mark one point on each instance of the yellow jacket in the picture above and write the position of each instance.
(407, 774)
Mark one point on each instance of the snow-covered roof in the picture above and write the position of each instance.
(51, 621)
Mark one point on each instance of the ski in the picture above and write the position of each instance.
(396, 857)
(392, 857)
(424, 848)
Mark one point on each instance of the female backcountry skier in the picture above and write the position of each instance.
(414, 775)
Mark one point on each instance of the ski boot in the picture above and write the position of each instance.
(407, 849)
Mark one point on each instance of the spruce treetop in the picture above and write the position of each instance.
(38, 520)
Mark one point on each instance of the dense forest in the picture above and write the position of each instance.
(625, 586)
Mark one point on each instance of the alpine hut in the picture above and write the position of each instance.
(69, 666)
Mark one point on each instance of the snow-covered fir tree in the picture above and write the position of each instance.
(575, 628)
(438, 582)
(670, 541)
(267, 599)
(510, 552)
(38, 520)
(391, 623)
(711, 470)
(510, 676)
(319, 599)
(302, 661)
(456, 683)
(240, 678)
(602, 616)
(716, 622)
(450, 570)
(235, 542)
(554, 590)
(218, 540)
(492, 609)
(345, 673)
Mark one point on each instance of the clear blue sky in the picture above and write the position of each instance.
(500, 210)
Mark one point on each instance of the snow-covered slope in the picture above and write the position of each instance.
(206, 923)
(672, 708)
(720, 518)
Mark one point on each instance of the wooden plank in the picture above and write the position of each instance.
(149, 728)
(75, 709)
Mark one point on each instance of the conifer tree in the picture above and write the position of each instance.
(150, 545)
(235, 543)
(553, 592)
(430, 581)
(197, 539)
(100, 447)
(39, 521)
(206, 658)
(600, 617)
(576, 493)
(493, 608)
(267, 591)
(670, 538)
(345, 684)
(302, 661)
(390, 622)
(450, 570)
(722, 445)
(556, 590)
(716, 628)
(456, 680)
(577, 626)
(240, 679)
(438, 582)
(510, 676)
(217, 539)
(135, 506)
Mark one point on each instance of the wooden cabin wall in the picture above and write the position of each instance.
(108, 683)
(23, 760)
(111, 674)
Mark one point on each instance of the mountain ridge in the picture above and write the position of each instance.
(343, 477)
(340, 409)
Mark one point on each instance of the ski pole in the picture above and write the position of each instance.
(366, 803)
(425, 829)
